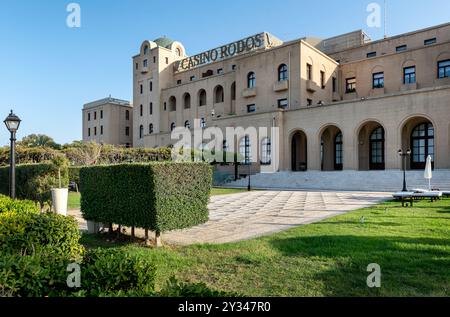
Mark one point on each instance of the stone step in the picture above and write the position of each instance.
(388, 181)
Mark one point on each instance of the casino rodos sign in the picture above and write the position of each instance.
(236, 48)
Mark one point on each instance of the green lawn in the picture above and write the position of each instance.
(74, 198)
(412, 246)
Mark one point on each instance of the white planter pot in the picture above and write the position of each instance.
(60, 198)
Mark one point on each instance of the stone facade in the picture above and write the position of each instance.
(108, 121)
(344, 103)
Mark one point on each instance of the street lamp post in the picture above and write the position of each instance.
(12, 123)
(249, 187)
(404, 155)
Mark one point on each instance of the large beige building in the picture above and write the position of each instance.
(108, 121)
(344, 103)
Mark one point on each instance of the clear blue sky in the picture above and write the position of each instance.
(48, 71)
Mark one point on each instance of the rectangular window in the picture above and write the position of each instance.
(192, 78)
(334, 82)
(95, 130)
(127, 131)
(137, 66)
(309, 102)
(141, 110)
(101, 130)
(127, 115)
(142, 89)
(350, 85)
(167, 60)
(89, 131)
(322, 79)
(233, 67)
(89, 116)
(309, 71)
(179, 82)
(401, 48)
(145, 63)
(430, 41)
(165, 106)
(251, 108)
(95, 115)
(371, 54)
(378, 80)
(220, 71)
(151, 108)
(154, 59)
(283, 103)
(444, 69)
(101, 114)
(409, 75)
(151, 86)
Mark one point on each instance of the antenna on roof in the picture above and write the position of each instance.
(385, 19)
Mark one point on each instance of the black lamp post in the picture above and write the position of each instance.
(249, 187)
(12, 122)
(404, 155)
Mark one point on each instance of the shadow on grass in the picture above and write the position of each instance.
(410, 266)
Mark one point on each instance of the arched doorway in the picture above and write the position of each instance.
(418, 135)
(331, 152)
(299, 153)
(371, 147)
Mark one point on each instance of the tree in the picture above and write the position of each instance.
(39, 140)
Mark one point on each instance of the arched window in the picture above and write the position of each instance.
(203, 123)
(422, 145)
(145, 49)
(218, 94)
(202, 97)
(282, 72)
(245, 150)
(187, 124)
(172, 104)
(187, 101)
(141, 131)
(178, 51)
(233, 91)
(266, 152)
(173, 126)
(251, 80)
(338, 152)
(150, 128)
(377, 149)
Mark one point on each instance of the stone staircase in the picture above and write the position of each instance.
(378, 181)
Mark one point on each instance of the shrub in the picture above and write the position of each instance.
(107, 271)
(34, 181)
(28, 155)
(156, 196)
(27, 234)
(13, 205)
(34, 275)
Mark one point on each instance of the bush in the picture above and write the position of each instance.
(27, 234)
(34, 181)
(36, 275)
(156, 196)
(28, 155)
(107, 271)
(13, 205)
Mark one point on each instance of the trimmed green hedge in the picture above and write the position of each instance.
(27, 176)
(13, 205)
(155, 196)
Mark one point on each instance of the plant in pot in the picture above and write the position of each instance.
(60, 195)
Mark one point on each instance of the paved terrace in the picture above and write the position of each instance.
(248, 215)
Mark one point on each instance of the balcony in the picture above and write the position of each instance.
(311, 86)
(281, 85)
(144, 70)
(249, 92)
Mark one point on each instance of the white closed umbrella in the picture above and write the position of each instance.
(428, 171)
